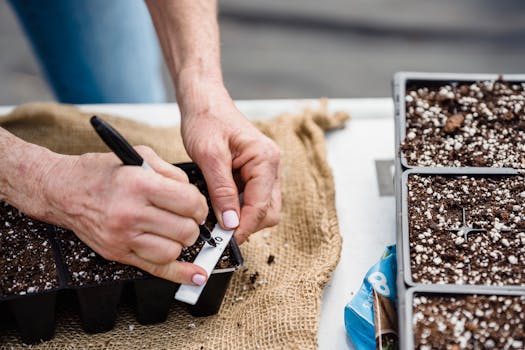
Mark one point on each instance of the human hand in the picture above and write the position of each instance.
(129, 214)
(219, 138)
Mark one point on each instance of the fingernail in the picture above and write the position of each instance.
(230, 219)
(198, 279)
(203, 222)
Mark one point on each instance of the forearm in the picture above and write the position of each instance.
(216, 135)
(189, 35)
(23, 171)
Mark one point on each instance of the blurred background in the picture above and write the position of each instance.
(333, 48)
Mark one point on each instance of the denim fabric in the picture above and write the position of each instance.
(95, 51)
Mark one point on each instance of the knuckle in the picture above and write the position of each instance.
(189, 232)
(211, 152)
(274, 152)
(224, 191)
(273, 219)
(120, 219)
(188, 193)
(173, 251)
(169, 253)
(114, 242)
(274, 156)
(159, 270)
(261, 210)
(138, 184)
(181, 175)
(194, 199)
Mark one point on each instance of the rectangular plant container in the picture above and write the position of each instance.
(480, 175)
(468, 329)
(402, 80)
(403, 169)
(98, 301)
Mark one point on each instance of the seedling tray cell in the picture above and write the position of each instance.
(98, 306)
(460, 120)
(35, 316)
(464, 228)
(461, 319)
(153, 298)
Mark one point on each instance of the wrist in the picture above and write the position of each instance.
(26, 181)
(41, 164)
(52, 184)
(199, 90)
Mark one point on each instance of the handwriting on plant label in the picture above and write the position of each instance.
(219, 240)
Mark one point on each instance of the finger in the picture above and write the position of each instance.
(179, 198)
(217, 171)
(160, 166)
(257, 197)
(175, 271)
(154, 248)
(272, 217)
(168, 225)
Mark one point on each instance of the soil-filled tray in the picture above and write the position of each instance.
(465, 320)
(464, 229)
(28, 261)
(460, 120)
(459, 209)
(29, 277)
(38, 260)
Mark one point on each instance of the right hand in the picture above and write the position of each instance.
(129, 214)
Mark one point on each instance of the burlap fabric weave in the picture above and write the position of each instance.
(280, 310)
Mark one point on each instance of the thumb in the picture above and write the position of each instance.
(223, 192)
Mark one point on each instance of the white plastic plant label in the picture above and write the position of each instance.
(207, 259)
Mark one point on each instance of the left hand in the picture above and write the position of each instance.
(220, 139)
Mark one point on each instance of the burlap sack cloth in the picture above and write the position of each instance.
(281, 309)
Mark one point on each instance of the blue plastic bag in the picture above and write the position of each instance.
(377, 295)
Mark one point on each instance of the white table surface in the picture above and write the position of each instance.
(366, 221)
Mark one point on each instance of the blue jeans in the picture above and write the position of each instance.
(95, 51)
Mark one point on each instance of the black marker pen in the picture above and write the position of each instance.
(129, 156)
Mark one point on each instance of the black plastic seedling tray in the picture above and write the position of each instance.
(34, 313)
(405, 284)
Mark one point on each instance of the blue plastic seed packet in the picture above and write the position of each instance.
(370, 317)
